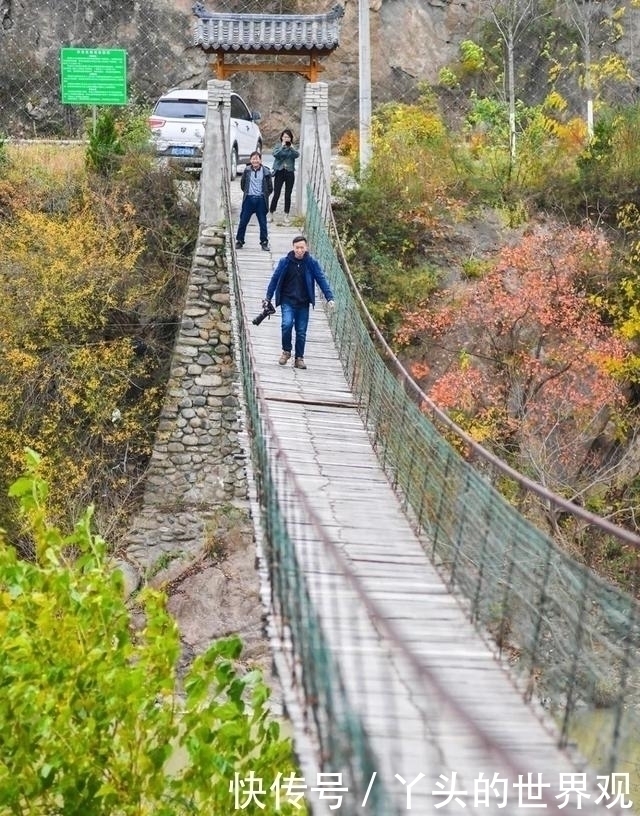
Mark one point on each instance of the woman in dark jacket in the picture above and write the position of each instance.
(284, 166)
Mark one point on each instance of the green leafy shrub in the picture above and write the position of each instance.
(609, 166)
(546, 150)
(105, 147)
(389, 265)
(474, 268)
(133, 127)
(93, 716)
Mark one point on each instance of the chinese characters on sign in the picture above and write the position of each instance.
(93, 76)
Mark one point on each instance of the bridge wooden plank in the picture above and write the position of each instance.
(413, 728)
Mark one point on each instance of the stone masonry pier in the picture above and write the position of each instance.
(197, 462)
(193, 536)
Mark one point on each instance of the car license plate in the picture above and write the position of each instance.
(182, 151)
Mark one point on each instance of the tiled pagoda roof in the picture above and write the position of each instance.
(267, 33)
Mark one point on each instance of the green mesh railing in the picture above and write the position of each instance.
(342, 743)
(314, 595)
(571, 637)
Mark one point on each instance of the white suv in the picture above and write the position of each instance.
(177, 129)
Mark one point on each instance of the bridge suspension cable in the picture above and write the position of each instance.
(571, 638)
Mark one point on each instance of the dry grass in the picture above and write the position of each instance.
(55, 159)
(44, 176)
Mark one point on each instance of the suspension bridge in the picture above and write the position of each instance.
(417, 618)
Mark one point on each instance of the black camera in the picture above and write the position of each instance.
(267, 310)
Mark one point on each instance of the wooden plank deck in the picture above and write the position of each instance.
(317, 425)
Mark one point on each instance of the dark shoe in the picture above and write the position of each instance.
(239, 244)
(284, 358)
(299, 363)
(266, 246)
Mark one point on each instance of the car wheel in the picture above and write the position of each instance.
(234, 163)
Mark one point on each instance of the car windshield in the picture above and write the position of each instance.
(181, 109)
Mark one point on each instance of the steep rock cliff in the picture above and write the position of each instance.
(410, 41)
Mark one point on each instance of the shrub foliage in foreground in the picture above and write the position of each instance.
(92, 714)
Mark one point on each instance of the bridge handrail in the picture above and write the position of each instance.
(573, 635)
(339, 730)
(425, 402)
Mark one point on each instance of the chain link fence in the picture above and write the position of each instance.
(157, 37)
(410, 42)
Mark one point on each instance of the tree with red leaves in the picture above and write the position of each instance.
(528, 361)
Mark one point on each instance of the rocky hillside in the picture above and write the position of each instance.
(410, 40)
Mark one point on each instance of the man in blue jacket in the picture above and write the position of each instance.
(293, 283)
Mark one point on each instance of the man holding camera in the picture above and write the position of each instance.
(294, 285)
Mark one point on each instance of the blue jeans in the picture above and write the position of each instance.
(298, 317)
(251, 205)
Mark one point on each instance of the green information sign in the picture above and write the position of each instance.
(93, 76)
